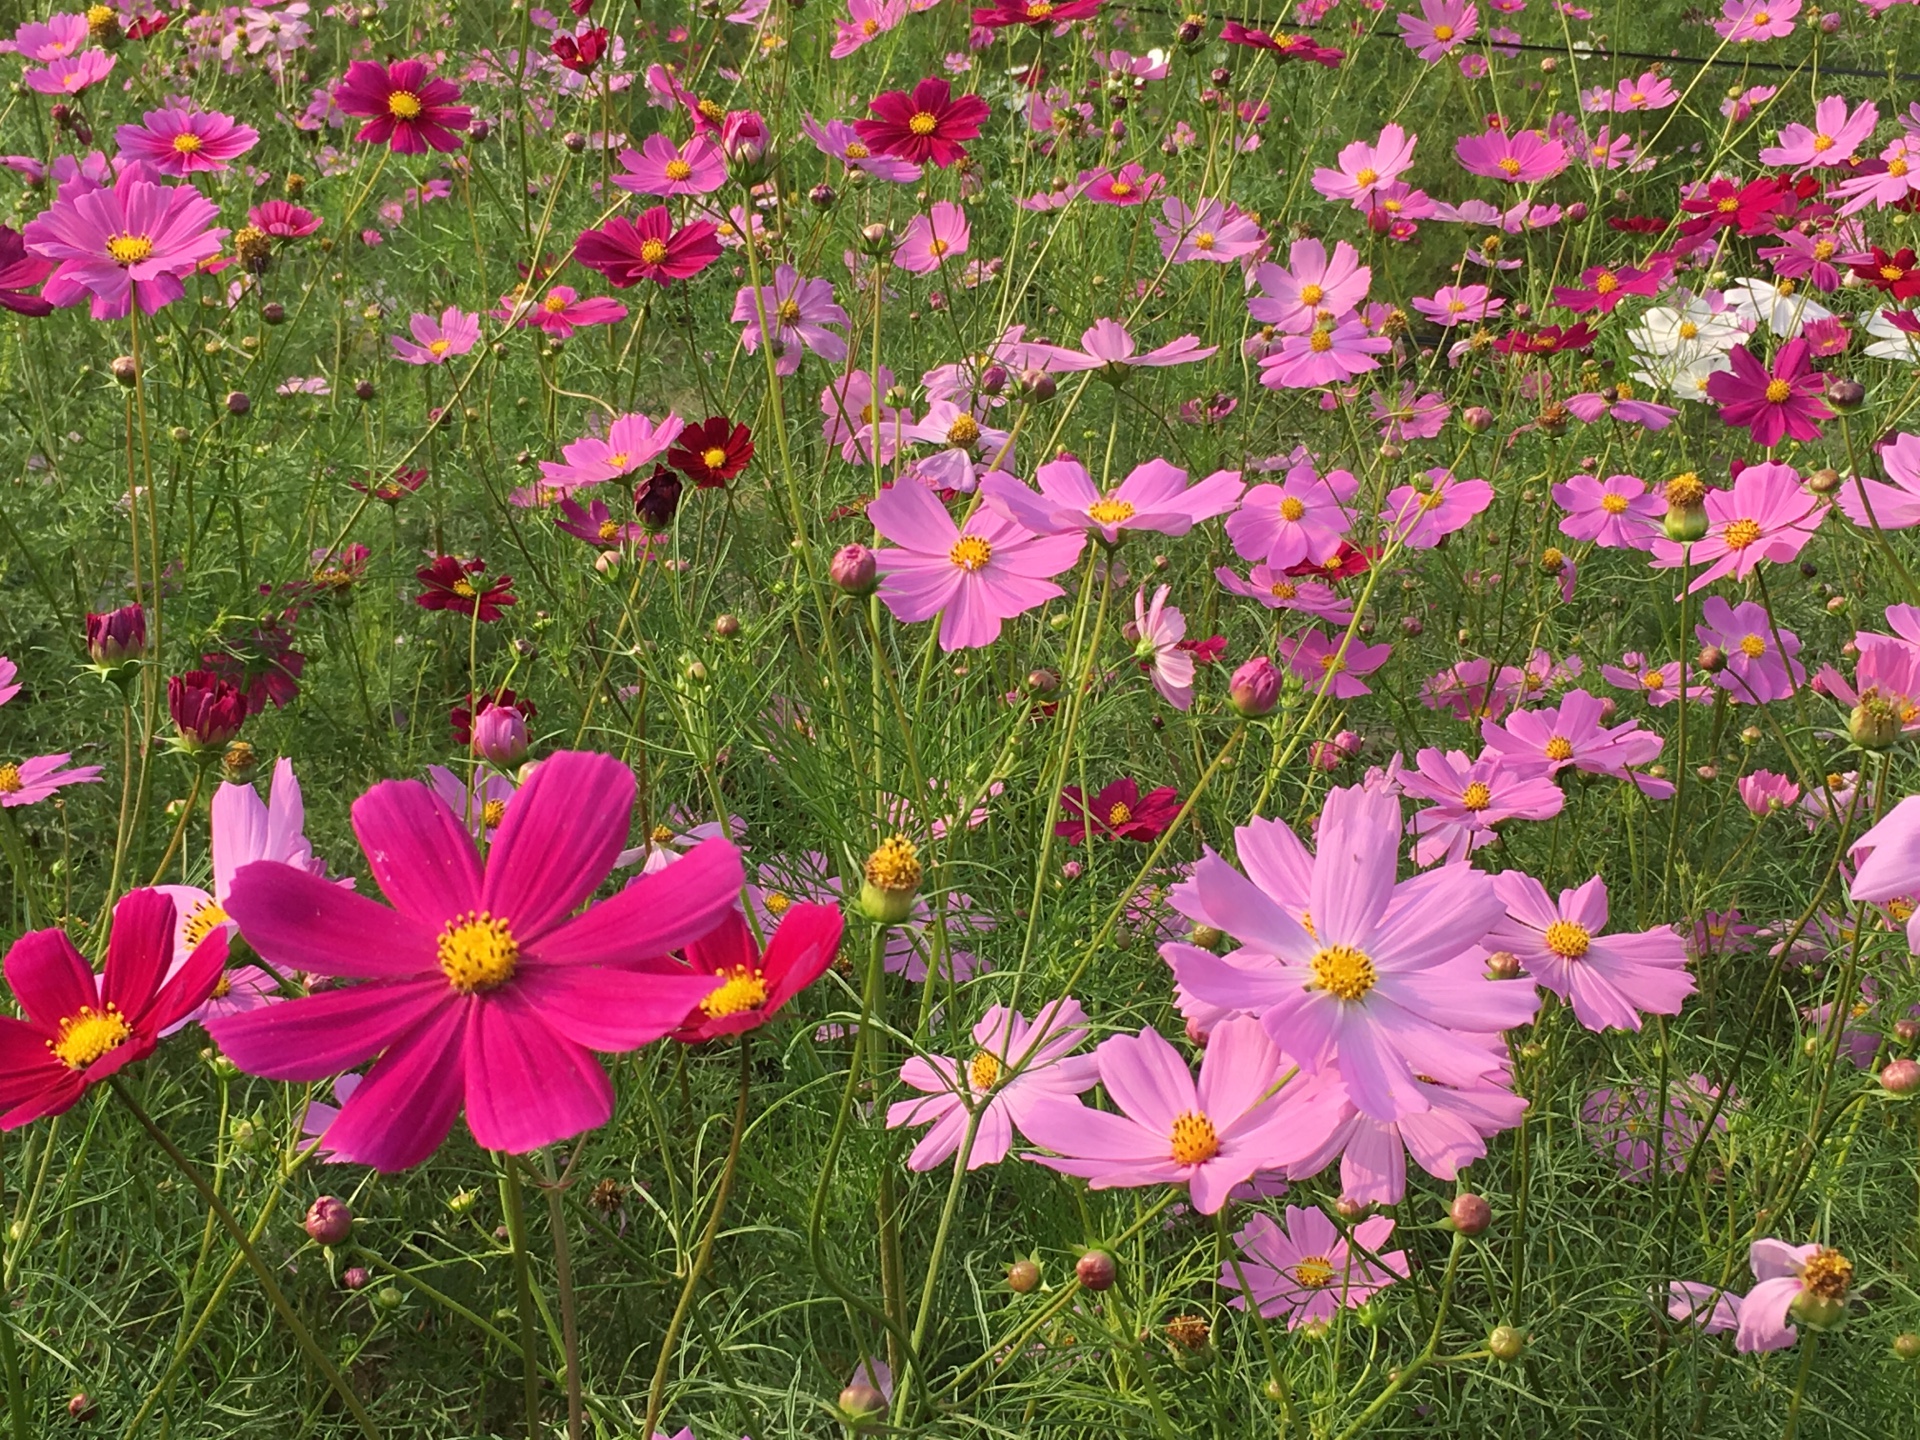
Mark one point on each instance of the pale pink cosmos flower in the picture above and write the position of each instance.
(1311, 286)
(30, 781)
(1209, 1136)
(1713, 1310)
(9, 680)
(1763, 793)
(1107, 345)
(1572, 735)
(1331, 352)
(1365, 169)
(1519, 157)
(1308, 1271)
(1469, 798)
(838, 139)
(55, 38)
(1387, 983)
(1831, 140)
(1871, 504)
(1756, 671)
(1785, 1275)
(855, 417)
(1441, 27)
(934, 239)
(1154, 496)
(1897, 176)
(1745, 21)
(1887, 672)
(1608, 980)
(1658, 684)
(180, 141)
(1648, 91)
(966, 441)
(1016, 1064)
(1768, 514)
(631, 442)
(480, 801)
(1302, 520)
(1412, 416)
(437, 341)
(1160, 628)
(1277, 590)
(1322, 664)
(70, 75)
(867, 21)
(799, 312)
(1423, 514)
(1459, 305)
(660, 167)
(1617, 513)
(974, 578)
(1215, 230)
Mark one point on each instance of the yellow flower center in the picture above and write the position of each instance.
(1203, 241)
(1333, 664)
(223, 987)
(1654, 680)
(1443, 33)
(652, 252)
(1120, 188)
(743, 989)
(618, 461)
(1476, 797)
(1110, 512)
(554, 304)
(1292, 508)
(609, 528)
(1344, 972)
(923, 124)
(964, 432)
(1118, 814)
(712, 109)
(129, 249)
(1823, 249)
(678, 170)
(86, 1036)
(403, 105)
(869, 28)
(1508, 165)
(1753, 647)
(789, 312)
(777, 904)
(1313, 1272)
(1761, 17)
(1195, 1141)
(1688, 330)
(186, 142)
(1320, 342)
(1606, 283)
(10, 781)
(970, 552)
(1685, 489)
(1367, 175)
(937, 247)
(463, 588)
(1559, 748)
(1312, 294)
(1822, 143)
(492, 813)
(439, 347)
(713, 457)
(1283, 590)
(1828, 1274)
(1614, 504)
(894, 865)
(984, 1070)
(478, 952)
(1897, 166)
(1739, 534)
(1433, 499)
(857, 151)
(1568, 940)
(206, 917)
(1778, 391)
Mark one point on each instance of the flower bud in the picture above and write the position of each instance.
(1042, 682)
(329, 1221)
(993, 380)
(82, 1406)
(237, 763)
(875, 239)
(238, 402)
(574, 141)
(500, 735)
(207, 710)
(821, 197)
(273, 313)
(479, 130)
(1844, 394)
(1037, 386)
(1502, 965)
(890, 881)
(125, 370)
(1577, 211)
(1906, 1345)
(355, 1277)
(1711, 659)
(388, 1297)
(1255, 688)
(1207, 937)
(1900, 1077)
(1023, 1277)
(1477, 418)
(747, 146)
(1470, 1214)
(1906, 1031)
(1874, 723)
(656, 498)
(1506, 1343)
(1350, 1209)
(117, 636)
(726, 626)
(363, 390)
(854, 569)
(1095, 1270)
(861, 1404)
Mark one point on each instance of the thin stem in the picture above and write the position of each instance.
(569, 1322)
(1808, 1340)
(523, 1291)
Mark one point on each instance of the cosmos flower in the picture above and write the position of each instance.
(1329, 665)
(632, 442)
(1155, 496)
(1311, 286)
(1766, 515)
(755, 985)
(406, 107)
(1806, 1282)
(712, 452)
(1745, 21)
(450, 583)
(1107, 346)
(1441, 27)
(1469, 798)
(1162, 631)
(648, 248)
(933, 240)
(1519, 157)
(1334, 350)
(1756, 671)
(436, 342)
(799, 312)
(1364, 170)
(1424, 513)
(1831, 140)
(27, 782)
(125, 244)
(181, 141)
(659, 167)
(1305, 1269)
(928, 126)
(840, 140)
(69, 75)
(1618, 513)
(1118, 812)
(1216, 230)
(1609, 980)
(561, 311)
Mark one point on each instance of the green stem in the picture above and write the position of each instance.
(569, 1322)
(523, 1291)
(1807, 1342)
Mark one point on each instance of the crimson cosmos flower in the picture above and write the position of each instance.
(449, 583)
(648, 248)
(755, 985)
(395, 488)
(406, 107)
(925, 126)
(81, 1028)
(1037, 13)
(207, 710)
(1772, 404)
(580, 53)
(1724, 204)
(1895, 274)
(712, 452)
(1119, 812)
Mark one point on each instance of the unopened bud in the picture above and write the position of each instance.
(1503, 965)
(1506, 1343)
(1906, 1345)
(726, 626)
(1470, 1214)
(1095, 1270)
(1042, 682)
(1477, 418)
(1023, 1277)
(1874, 724)
(329, 1221)
(238, 402)
(1207, 937)
(875, 239)
(1037, 386)
(125, 370)
(1255, 688)
(854, 569)
(1711, 659)
(1844, 394)
(1900, 1077)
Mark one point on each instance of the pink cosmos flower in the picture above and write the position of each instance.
(1160, 631)
(1331, 352)
(1441, 27)
(1617, 513)
(1209, 1137)
(967, 444)
(934, 239)
(975, 579)
(406, 106)
(1315, 287)
(182, 141)
(1425, 513)
(1647, 92)
(1469, 799)
(1594, 405)
(1787, 1277)
(855, 417)
(1154, 496)
(659, 167)
(30, 781)
(594, 523)
(1659, 684)
(1386, 984)
(1763, 793)
(1774, 405)
(1519, 157)
(1412, 416)
(561, 311)
(1571, 735)
(1459, 305)
(1713, 1310)
(1322, 664)
(1277, 590)
(867, 21)
(479, 802)
(1308, 1271)
(1625, 1121)
(1871, 504)
(798, 311)
(648, 248)
(70, 75)
(1609, 980)
(1302, 520)
(1767, 515)
(839, 139)
(1881, 187)
(1602, 287)
(9, 676)
(1365, 169)
(1215, 230)
(632, 442)
(436, 342)
(1108, 346)
(283, 220)
(1756, 671)
(1830, 140)
(482, 986)
(55, 38)
(125, 244)
(1016, 1065)
(1129, 185)
(1744, 21)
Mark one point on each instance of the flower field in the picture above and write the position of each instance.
(1042, 720)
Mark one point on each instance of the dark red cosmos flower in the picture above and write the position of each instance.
(1119, 812)
(579, 7)
(1637, 224)
(81, 1028)
(1750, 208)
(395, 488)
(450, 585)
(1547, 340)
(1347, 562)
(260, 662)
(580, 53)
(754, 985)
(19, 273)
(1282, 47)
(925, 126)
(207, 710)
(461, 716)
(1037, 13)
(1894, 274)
(149, 25)
(648, 248)
(1204, 652)
(656, 498)
(712, 452)
(406, 107)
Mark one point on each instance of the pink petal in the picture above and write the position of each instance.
(559, 840)
(528, 1086)
(301, 922)
(420, 854)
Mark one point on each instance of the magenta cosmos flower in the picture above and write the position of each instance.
(1312, 286)
(1756, 671)
(1210, 1137)
(1470, 798)
(437, 341)
(1154, 496)
(1387, 984)
(1607, 979)
(1307, 1271)
(561, 311)
(1441, 27)
(1767, 515)
(755, 985)
(81, 1027)
(1519, 157)
(125, 244)
(648, 248)
(1016, 1064)
(405, 106)
(1302, 520)
(1216, 230)
(1334, 666)
(798, 312)
(480, 988)
(974, 578)
(181, 141)
(1616, 513)
(659, 167)
(927, 126)
(1774, 404)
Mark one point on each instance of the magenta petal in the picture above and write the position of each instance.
(419, 852)
(655, 914)
(404, 1108)
(527, 1085)
(190, 986)
(301, 922)
(50, 978)
(612, 1010)
(324, 1034)
(138, 950)
(559, 840)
